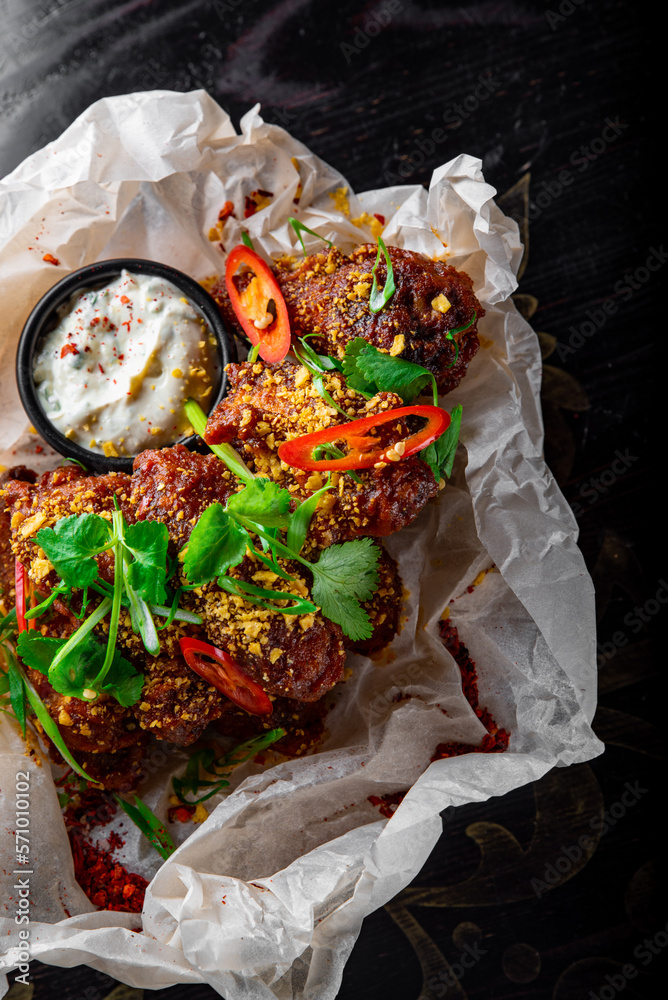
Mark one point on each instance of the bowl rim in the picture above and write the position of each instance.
(60, 293)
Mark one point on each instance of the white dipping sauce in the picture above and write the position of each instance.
(115, 372)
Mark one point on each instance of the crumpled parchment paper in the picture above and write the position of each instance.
(265, 899)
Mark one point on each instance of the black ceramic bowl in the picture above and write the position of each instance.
(43, 317)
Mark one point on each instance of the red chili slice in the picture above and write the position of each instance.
(252, 304)
(363, 455)
(219, 669)
(23, 589)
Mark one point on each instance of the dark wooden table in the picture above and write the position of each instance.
(554, 97)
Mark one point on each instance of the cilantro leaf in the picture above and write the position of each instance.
(37, 650)
(73, 544)
(123, 682)
(354, 377)
(216, 543)
(147, 541)
(440, 454)
(374, 371)
(264, 501)
(77, 670)
(344, 576)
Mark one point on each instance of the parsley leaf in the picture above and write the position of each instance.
(369, 371)
(217, 542)
(73, 544)
(440, 454)
(343, 576)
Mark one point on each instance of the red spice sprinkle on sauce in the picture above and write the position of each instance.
(68, 349)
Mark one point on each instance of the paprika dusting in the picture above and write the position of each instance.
(108, 885)
(496, 739)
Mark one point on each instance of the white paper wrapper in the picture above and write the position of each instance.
(266, 898)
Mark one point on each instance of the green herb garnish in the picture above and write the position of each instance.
(246, 240)
(440, 455)
(300, 228)
(378, 299)
(79, 666)
(311, 361)
(218, 769)
(224, 452)
(342, 575)
(450, 335)
(20, 697)
(300, 521)
(368, 371)
(149, 824)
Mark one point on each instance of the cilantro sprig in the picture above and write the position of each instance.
(80, 666)
(343, 577)
(368, 371)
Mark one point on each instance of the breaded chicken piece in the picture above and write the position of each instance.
(267, 405)
(328, 296)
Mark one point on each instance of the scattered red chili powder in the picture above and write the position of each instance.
(496, 740)
(387, 804)
(108, 885)
(49, 258)
(254, 200)
(68, 349)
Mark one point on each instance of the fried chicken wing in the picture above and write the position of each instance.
(328, 296)
(267, 405)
